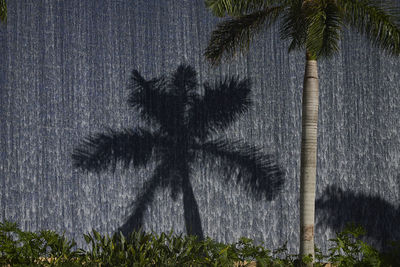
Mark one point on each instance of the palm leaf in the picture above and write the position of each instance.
(324, 24)
(331, 34)
(234, 8)
(221, 105)
(101, 151)
(294, 25)
(236, 34)
(3, 10)
(259, 172)
(378, 21)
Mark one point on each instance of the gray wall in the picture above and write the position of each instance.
(63, 74)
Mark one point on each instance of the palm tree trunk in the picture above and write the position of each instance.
(308, 157)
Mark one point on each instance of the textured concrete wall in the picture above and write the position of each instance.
(64, 72)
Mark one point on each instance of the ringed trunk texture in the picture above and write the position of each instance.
(308, 157)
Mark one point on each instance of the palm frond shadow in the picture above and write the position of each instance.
(185, 122)
(380, 218)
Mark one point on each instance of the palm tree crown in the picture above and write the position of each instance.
(314, 25)
(181, 124)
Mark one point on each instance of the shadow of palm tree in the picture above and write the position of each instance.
(180, 125)
(380, 218)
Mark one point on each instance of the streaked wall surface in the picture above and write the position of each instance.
(63, 75)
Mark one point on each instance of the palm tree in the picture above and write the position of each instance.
(181, 123)
(3, 11)
(313, 26)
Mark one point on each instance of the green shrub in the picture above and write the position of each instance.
(30, 249)
(349, 250)
(47, 248)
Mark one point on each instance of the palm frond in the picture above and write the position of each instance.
(333, 25)
(221, 105)
(259, 172)
(324, 24)
(380, 22)
(234, 8)
(3, 10)
(294, 25)
(235, 34)
(101, 151)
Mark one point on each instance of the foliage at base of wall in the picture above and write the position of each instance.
(47, 248)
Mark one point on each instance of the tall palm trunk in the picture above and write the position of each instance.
(308, 157)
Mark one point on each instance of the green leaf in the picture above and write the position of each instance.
(88, 238)
(324, 24)
(332, 30)
(3, 11)
(235, 34)
(96, 235)
(234, 8)
(294, 25)
(378, 20)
